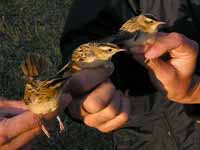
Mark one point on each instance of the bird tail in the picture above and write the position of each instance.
(35, 65)
(64, 68)
(55, 82)
(120, 37)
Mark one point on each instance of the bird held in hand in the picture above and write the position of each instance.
(41, 95)
(91, 55)
(137, 30)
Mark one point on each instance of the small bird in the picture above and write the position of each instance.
(41, 95)
(137, 30)
(91, 55)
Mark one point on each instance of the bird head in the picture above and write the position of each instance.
(107, 50)
(149, 23)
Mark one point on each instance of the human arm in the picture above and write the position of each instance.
(18, 126)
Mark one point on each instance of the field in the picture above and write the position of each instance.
(36, 26)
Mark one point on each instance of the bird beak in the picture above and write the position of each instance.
(122, 50)
(161, 23)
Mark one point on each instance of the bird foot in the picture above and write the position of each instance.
(61, 125)
(44, 129)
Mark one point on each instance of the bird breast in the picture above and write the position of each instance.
(39, 100)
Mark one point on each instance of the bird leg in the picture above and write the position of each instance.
(44, 129)
(61, 125)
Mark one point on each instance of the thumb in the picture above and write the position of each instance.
(162, 71)
(64, 101)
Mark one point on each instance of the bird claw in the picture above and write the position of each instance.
(61, 125)
(44, 129)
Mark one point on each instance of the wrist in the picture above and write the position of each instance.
(193, 93)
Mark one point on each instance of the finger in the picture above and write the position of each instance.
(161, 71)
(108, 113)
(119, 120)
(99, 98)
(12, 103)
(74, 108)
(21, 140)
(1, 118)
(141, 49)
(86, 80)
(64, 101)
(166, 43)
(167, 79)
(18, 124)
(9, 111)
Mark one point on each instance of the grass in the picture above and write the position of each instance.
(36, 26)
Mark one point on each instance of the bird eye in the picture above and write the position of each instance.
(110, 50)
(148, 21)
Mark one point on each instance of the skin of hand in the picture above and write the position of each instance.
(173, 75)
(18, 126)
(96, 101)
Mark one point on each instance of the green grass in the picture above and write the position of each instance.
(36, 26)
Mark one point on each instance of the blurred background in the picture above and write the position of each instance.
(36, 26)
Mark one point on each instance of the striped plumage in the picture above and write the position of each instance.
(137, 30)
(91, 55)
(41, 96)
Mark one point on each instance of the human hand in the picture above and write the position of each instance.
(103, 107)
(174, 75)
(18, 126)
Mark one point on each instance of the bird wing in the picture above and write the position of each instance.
(35, 65)
(130, 26)
(66, 67)
(123, 36)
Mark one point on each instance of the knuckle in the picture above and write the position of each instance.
(37, 121)
(88, 122)
(3, 139)
(109, 85)
(195, 47)
(3, 124)
(171, 78)
(112, 112)
(195, 44)
(179, 37)
(125, 117)
(99, 98)
(94, 103)
(3, 132)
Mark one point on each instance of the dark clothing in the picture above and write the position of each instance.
(155, 123)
